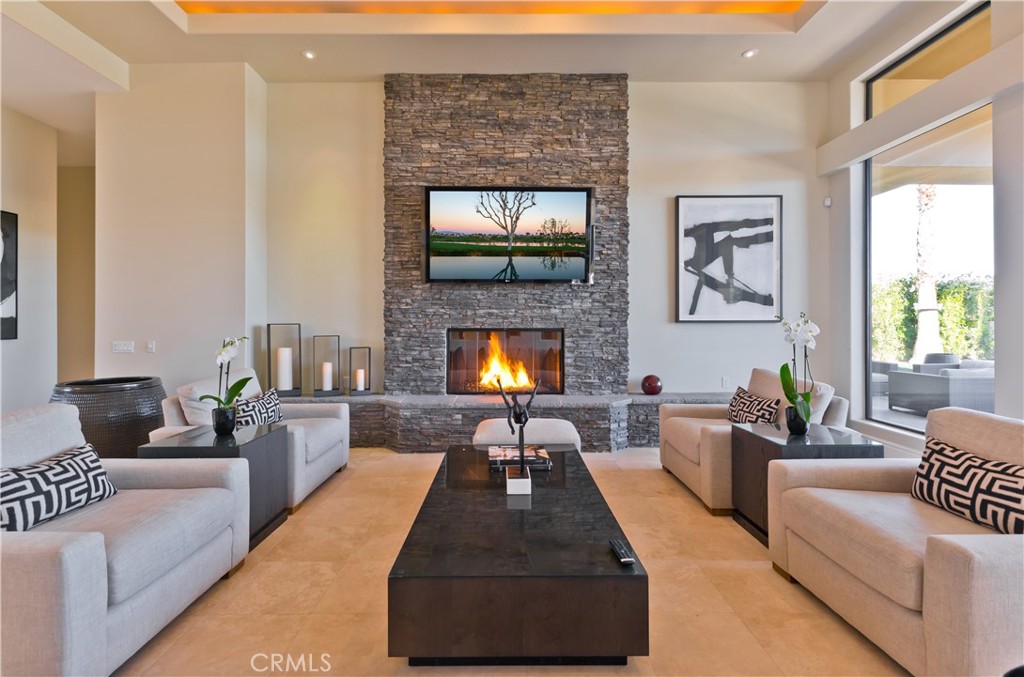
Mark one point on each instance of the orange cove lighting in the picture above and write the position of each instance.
(487, 7)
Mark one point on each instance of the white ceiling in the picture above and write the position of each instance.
(42, 81)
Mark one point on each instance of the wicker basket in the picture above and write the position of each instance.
(118, 413)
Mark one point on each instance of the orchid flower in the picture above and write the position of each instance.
(227, 352)
(799, 334)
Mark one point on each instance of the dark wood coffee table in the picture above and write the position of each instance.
(479, 581)
(266, 449)
(755, 444)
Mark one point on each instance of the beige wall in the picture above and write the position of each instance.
(171, 219)
(326, 213)
(721, 139)
(76, 272)
(255, 215)
(28, 364)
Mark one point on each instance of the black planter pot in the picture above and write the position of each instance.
(796, 425)
(118, 413)
(224, 420)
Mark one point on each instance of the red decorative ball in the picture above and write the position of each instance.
(651, 385)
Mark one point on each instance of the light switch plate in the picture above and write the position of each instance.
(124, 346)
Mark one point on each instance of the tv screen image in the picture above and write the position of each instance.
(508, 234)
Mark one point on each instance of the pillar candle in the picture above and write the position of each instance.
(284, 368)
(327, 376)
(360, 379)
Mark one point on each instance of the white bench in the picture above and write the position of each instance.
(537, 431)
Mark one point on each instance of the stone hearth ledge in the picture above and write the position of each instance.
(430, 423)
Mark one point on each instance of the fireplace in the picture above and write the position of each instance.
(477, 358)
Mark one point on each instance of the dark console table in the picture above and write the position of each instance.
(479, 581)
(266, 449)
(755, 444)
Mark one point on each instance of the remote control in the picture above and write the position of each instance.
(622, 551)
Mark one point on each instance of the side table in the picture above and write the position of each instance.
(265, 447)
(755, 444)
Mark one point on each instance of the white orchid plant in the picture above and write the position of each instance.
(226, 395)
(799, 334)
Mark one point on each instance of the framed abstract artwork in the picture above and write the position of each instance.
(9, 276)
(728, 258)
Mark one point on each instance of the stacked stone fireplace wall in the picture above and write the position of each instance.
(538, 130)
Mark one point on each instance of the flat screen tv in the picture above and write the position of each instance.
(508, 234)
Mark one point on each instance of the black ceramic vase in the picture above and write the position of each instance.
(796, 425)
(223, 420)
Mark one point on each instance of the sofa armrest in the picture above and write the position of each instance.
(293, 410)
(169, 431)
(716, 466)
(974, 604)
(894, 475)
(667, 411)
(53, 612)
(191, 473)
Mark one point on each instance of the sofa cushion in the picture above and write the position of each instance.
(745, 407)
(684, 434)
(198, 413)
(37, 433)
(990, 493)
(262, 409)
(148, 532)
(877, 536)
(39, 492)
(321, 434)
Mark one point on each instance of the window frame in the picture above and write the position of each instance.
(869, 414)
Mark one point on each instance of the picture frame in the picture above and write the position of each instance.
(8, 276)
(728, 258)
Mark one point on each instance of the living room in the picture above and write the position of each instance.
(179, 177)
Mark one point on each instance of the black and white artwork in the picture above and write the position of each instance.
(9, 276)
(728, 258)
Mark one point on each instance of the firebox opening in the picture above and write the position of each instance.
(478, 358)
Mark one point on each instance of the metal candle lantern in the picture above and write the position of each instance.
(284, 358)
(329, 370)
(359, 370)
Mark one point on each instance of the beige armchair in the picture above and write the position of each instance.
(940, 594)
(696, 439)
(318, 434)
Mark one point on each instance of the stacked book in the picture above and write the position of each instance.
(535, 456)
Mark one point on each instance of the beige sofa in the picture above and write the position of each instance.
(696, 439)
(84, 591)
(318, 434)
(940, 594)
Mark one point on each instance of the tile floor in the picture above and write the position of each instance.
(318, 585)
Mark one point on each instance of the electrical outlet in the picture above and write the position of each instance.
(124, 346)
(725, 383)
(151, 346)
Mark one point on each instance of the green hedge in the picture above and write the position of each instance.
(965, 318)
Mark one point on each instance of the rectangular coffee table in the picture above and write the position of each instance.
(755, 444)
(266, 449)
(479, 581)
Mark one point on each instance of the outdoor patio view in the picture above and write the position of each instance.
(931, 264)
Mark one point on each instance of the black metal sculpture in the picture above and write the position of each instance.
(518, 414)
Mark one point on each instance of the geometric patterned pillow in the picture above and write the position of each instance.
(36, 493)
(746, 407)
(990, 493)
(263, 408)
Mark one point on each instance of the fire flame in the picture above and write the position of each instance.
(499, 366)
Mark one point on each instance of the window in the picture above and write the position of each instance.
(930, 252)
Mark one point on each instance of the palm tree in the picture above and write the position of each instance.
(927, 306)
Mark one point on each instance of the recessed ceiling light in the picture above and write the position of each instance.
(309, 54)
(749, 54)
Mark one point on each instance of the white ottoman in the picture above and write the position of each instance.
(537, 431)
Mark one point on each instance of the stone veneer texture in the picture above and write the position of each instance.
(536, 130)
